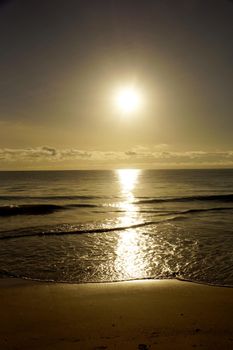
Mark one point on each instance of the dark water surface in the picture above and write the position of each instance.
(93, 226)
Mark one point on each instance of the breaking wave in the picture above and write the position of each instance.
(38, 209)
(207, 198)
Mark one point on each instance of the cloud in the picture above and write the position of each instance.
(138, 156)
(180, 158)
(42, 153)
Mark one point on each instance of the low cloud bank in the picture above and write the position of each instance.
(138, 155)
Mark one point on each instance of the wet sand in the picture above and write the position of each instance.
(141, 315)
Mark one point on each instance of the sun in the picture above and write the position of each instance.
(128, 100)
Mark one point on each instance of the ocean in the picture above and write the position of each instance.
(98, 226)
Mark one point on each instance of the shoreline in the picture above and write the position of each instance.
(18, 280)
(141, 314)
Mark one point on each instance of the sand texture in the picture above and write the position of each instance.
(127, 315)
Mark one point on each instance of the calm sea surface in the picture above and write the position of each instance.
(94, 226)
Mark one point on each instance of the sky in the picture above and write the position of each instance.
(61, 62)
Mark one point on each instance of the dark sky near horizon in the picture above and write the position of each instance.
(60, 60)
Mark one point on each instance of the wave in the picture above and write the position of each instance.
(7, 274)
(187, 211)
(80, 231)
(172, 212)
(217, 198)
(170, 216)
(190, 211)
(38, 232)
(83, 197)
(38, 209)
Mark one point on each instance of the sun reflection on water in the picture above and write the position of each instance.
(130, 262)
(128, 179)
(130, 255)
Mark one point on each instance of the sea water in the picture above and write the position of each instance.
(95, 226)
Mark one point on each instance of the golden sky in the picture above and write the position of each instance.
(61, 63)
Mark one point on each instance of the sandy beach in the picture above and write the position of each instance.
(142, 315)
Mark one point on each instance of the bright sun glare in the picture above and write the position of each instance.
(128, 100)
